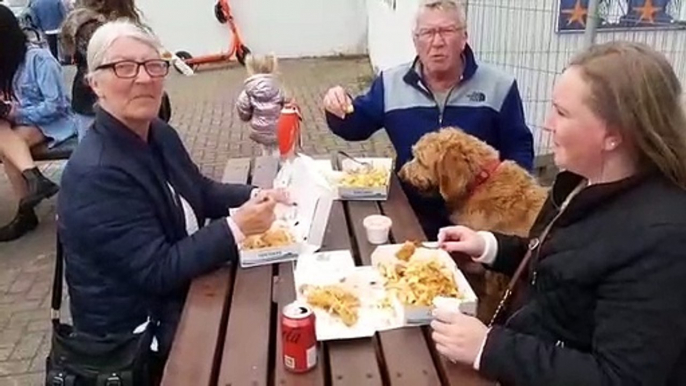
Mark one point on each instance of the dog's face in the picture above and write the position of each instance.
(446, 161)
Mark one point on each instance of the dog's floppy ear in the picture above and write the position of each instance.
(453, 174)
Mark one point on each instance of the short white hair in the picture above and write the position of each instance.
(456, 6)
(108, 33)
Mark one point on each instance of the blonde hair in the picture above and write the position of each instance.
(108, 33)
(635, 90)
(261, 64)
(454, 6)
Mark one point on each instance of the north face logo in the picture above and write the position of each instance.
(476, 96)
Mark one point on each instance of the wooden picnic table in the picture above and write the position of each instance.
(229, 331)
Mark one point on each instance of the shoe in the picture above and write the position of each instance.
(39, 188)
(23, 222)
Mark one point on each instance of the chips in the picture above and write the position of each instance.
(417, 282)
(335, 300)
(277, 237)
(375, 177)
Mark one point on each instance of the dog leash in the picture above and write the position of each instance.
(533, 245)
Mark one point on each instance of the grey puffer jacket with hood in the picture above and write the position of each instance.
(260, 102)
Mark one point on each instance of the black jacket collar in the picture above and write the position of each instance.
(591, 196)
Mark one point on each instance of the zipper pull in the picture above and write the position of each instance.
(533, 279)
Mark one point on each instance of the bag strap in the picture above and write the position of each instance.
(56, 303)
(533, 244)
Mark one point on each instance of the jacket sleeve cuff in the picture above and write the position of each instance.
(238, 236)
(496, 353)
(477, 361)
(491, 250)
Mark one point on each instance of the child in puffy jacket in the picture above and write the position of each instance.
(261, 101)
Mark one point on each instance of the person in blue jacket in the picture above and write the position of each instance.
(443, 86)
(48, 16)
(136, 218)
(34, 111)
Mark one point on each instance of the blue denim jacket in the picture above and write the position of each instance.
(48, 15)
(43, 100)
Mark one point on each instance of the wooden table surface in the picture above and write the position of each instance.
(228, 333)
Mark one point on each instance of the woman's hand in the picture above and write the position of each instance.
(255, 216)
(458, 337)
(461, 239)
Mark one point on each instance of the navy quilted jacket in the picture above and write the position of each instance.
(126, 247)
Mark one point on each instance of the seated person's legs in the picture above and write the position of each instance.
(29, 185)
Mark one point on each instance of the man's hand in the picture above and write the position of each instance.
(255, 216)
(337, 102)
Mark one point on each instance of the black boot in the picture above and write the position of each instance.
(39, 188)
(23, 222)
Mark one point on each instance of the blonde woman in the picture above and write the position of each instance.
(261, 100)
(603, 300)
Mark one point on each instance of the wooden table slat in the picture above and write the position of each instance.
(352, 362)
(264, 171)
(406, 227)
(236, 171)
(245, 356)
(405, 223)
(358, 210)
(403, 369)
(195, 348)
(194, 351)
(284, 293)
(245, 359)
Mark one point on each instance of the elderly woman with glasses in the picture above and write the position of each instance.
(133, 207)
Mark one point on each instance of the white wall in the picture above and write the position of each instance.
(390, 32)
(292, 28)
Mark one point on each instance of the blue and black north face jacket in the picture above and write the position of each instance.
(486, 103)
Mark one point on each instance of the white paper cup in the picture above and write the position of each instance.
(446, 304)
(377, 227)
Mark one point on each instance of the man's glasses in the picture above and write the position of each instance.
(129, 69)
(428, 34)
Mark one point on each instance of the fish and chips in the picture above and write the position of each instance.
(276, 237)
(335, 300)
(375, 177)
(417, 281)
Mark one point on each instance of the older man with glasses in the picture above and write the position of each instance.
(443, 86)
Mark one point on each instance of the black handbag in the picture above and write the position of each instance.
(80, 359)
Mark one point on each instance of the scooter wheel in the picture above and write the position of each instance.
(183, 55)
(219, 13)
(242, 54)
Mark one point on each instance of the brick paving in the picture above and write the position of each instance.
(205, 117)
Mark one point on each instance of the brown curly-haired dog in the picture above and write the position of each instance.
(481, 192)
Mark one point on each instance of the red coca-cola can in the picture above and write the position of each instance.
(298, 338)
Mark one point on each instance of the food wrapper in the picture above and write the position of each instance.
(348, 301)
(282, 242)
(305, 221)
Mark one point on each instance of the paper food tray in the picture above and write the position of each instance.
(421, 315)
(337, 268)
(255, 257)
(365, 193)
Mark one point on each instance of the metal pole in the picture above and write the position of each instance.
(592, 20)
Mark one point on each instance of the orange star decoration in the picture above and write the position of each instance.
(576, 14)
(647, 11)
